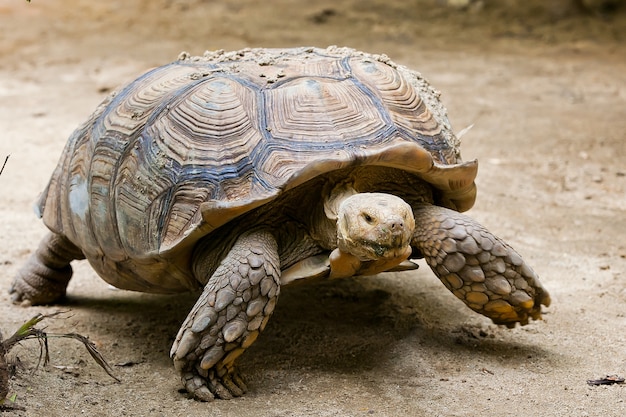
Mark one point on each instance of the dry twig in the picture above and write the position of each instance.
(5, 164)
(607, 380)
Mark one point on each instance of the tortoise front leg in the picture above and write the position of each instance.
(478, 267)
(44, 277)
(233, 309)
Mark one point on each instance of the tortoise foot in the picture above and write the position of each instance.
(44, 277)
(478, 267)
(233, 309)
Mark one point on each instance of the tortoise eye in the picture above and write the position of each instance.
(368, 218)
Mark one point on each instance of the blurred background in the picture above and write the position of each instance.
(543, 82)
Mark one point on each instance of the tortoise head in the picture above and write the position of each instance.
(374, 226)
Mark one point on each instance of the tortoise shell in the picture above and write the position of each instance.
(190, 146)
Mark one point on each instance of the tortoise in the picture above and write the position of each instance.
(235, 173)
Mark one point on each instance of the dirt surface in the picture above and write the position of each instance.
(544, 85)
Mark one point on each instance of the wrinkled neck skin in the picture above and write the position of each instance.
(323, 218)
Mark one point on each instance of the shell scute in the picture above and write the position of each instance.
(195, 150)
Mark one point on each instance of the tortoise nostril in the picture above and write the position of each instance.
(396, 224)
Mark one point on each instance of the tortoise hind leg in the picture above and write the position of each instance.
(227, 318)
(44, 277)
(478, 267)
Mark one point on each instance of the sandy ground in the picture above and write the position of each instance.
(545, 88)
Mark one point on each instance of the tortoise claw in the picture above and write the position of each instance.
(208, 388)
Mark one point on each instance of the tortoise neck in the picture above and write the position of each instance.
(322, 228)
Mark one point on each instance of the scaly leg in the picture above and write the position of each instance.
(227, 318)
(44, 277)
(478, 267)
